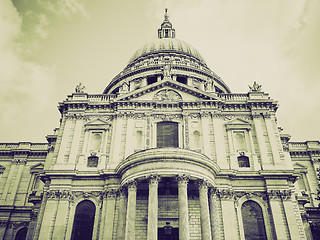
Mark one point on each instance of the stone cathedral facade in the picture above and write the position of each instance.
(166, 152)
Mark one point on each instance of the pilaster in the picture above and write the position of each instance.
(205, 133)
(49, 217)
(230, 223)
(220, 145)
(21, 162)
(61, 219)
(109, 217)
(75, 142)
(122, 213)
(66, 137)
(257, 119)
(215, 215)
(277, 210)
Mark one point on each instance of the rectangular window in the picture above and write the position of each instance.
(167, 134)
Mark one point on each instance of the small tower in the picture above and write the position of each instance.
(166, 30)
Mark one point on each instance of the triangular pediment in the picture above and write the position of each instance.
(172, 91)
(299, 166)
(238, 123)
(37, 168)
(97, 122)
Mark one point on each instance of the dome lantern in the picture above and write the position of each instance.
(166, 30)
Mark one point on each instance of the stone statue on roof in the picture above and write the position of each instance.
(80, 88)
(255, 87)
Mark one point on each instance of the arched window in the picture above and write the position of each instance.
(21, 234)
(83, 221)
(240, 142)
(252, 219)
(167, 134)
(96, 141)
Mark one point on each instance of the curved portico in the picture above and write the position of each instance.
(162, 173)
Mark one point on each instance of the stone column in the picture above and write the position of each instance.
(122, 214)
(109, 215)
(215, 215)
(183, 207)
(204, 210)
(131, 211)
(153, 208)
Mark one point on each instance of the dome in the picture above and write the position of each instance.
(167, 45)
(166, 58)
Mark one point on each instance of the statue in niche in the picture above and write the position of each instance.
(167, 95)
(80, 88)
(125, 87)
(256, 87)
(167, 71)
(209, 85)
(138, 83)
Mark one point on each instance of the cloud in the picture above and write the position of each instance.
(24, 84)
(64, 8)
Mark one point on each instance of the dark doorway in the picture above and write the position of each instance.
(168, 233)
(21, 234)
(83, 221)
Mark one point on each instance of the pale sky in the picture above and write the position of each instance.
(48, 46)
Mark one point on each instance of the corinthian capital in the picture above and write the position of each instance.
(153, 179)
(182, 179)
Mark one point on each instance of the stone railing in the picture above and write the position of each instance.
(9, 145)
(298, 145)
(233, 96)
(101, 97)
(23, 145)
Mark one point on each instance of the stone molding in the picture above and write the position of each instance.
(16, 225)
(19, 161)
(110, 193)
(3, 223)
(202, 184)
(182, 179)
(122, 192)
(279, 194)
(132, 185)
(153, 179)
(251, 194)
(227, 194)
(167, 116)
(71, 195)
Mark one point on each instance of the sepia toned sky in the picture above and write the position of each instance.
(48, 46)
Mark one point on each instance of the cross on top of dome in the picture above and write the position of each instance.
(166, 30)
